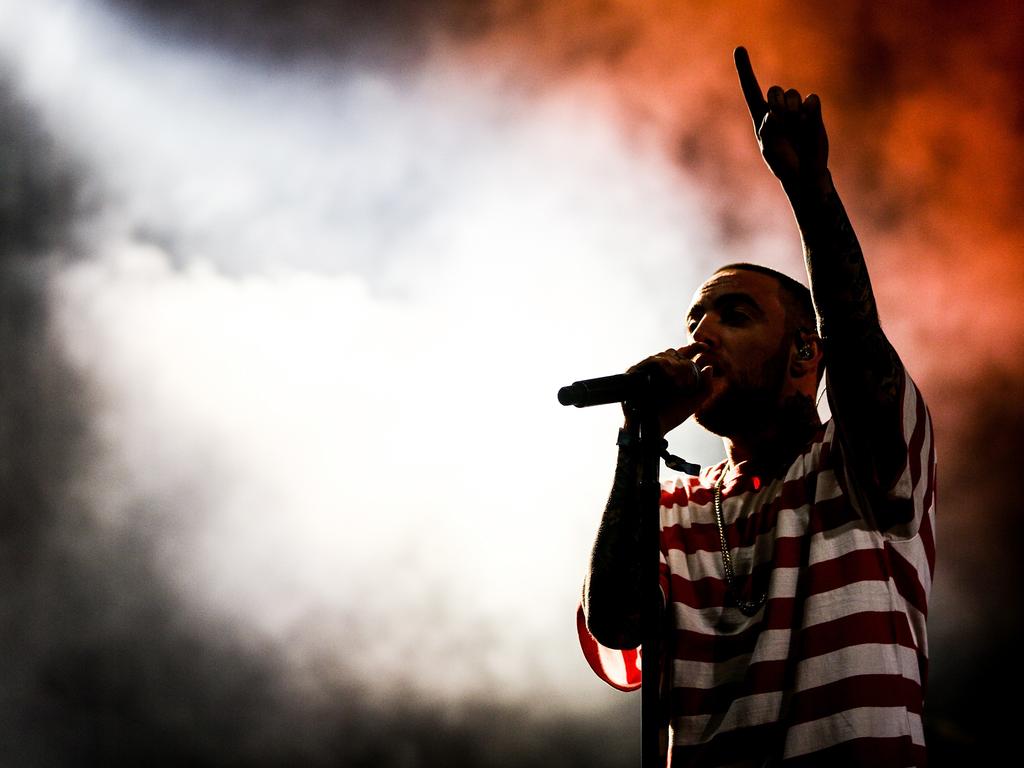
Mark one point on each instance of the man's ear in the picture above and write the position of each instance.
(807, 353)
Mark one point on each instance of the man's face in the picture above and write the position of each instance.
(739, 320)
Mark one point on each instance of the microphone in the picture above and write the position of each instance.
(642, 384)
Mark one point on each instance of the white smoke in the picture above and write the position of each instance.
(325, 315)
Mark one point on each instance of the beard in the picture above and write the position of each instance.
(749, 400)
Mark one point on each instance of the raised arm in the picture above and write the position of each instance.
(865, 373)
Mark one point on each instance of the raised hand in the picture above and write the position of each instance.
(789, 129)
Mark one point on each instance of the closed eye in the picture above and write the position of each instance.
(734, 316)
(693, 320)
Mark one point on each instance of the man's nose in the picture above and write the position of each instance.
(705, 332)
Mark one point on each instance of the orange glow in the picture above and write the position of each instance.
(924, 132)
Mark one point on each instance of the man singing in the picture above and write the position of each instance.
(795, 574)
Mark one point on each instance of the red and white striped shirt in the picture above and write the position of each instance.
(832, 669)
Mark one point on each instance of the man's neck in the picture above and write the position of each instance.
(769, 449)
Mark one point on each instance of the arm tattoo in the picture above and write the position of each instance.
(611, 595)
(865, 372)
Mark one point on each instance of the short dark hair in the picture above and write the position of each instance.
(795, 296)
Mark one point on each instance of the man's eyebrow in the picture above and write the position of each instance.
(724, 300)
(730, 299)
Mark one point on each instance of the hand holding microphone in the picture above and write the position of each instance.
(683, 385)
(669, 381)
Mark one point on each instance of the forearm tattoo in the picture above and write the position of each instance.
(866, 373)
(844, 301)
(611, 596)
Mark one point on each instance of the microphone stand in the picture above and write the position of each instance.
(639, 392)
(649, 498)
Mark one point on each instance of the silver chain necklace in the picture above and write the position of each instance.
(747, 608)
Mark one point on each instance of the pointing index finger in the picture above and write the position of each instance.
(751, 90)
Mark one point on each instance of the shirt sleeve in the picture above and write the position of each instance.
(619, 668)
(622, 668)
(903, 508)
